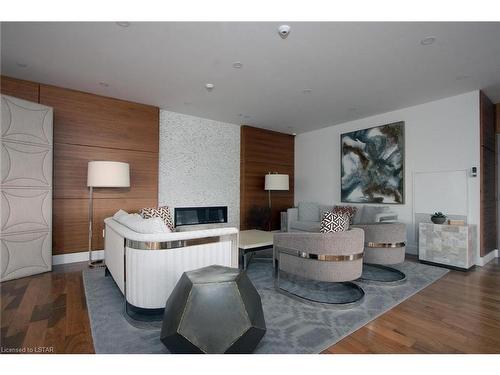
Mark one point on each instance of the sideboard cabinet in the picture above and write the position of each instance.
(448, 245)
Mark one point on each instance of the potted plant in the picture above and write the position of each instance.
(438, 218)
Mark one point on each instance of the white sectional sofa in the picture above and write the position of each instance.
(147, 266)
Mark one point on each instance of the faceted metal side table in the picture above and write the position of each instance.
(213, 310)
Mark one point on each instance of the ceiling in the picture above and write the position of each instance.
(352, 70)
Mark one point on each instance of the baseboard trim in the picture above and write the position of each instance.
(76, 257)
(482, 261)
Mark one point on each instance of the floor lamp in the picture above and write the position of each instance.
(104, 174)
(275, 181)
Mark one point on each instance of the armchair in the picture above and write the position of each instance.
(325, 257)
(147, 266)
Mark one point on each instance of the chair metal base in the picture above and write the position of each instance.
(336, 293)
(378, 273)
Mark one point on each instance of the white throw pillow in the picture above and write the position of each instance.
(119, 213)
(147, 226)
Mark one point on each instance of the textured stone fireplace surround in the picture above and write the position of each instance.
(199, 163)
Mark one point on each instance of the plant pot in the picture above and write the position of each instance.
(438, 220)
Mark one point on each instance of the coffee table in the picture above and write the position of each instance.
(251, 241)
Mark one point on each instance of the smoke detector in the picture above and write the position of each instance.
(284, 31)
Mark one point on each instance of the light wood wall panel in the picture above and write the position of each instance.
(264, 151)
(20, 89)
(489, 202)
(91, 127)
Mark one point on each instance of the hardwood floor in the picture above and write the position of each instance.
(46, 313)
(460, 313)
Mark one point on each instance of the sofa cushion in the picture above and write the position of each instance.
(119, 213)
(370, 212)
(309, 211)
(305, 226)
(148, 226)
(347, 210)
(162, 212)
(334, 222)
(357, 216)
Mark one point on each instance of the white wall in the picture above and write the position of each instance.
(199, 163)
(439, 136)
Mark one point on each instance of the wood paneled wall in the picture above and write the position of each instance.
(91, 127)
(264, 151)
(488, 235)
(20, 89)
(498, 117)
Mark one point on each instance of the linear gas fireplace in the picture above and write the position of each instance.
(200, 215)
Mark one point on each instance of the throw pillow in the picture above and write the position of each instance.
(161, 212)
(147, 226)
(120, 213)
(347, 210)
(309, 211)
(332, 222)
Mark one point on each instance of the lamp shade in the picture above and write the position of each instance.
(276, 182)
(108, 174)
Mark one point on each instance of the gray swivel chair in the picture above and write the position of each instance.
(385, 245)
(330, 261)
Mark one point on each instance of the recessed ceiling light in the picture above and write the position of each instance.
(21, 65)
(237, 65)
(209, 86)
(123, 24)
(428, 41)
(461, 77)
(103, 84)
(307, 91)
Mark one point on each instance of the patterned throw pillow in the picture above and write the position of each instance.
(161, 212)
(332, 222)
(347, 210)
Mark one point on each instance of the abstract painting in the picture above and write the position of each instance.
(373, 165)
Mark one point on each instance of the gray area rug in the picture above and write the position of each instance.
(293, 326)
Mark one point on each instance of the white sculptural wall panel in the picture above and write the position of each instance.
(26, 188)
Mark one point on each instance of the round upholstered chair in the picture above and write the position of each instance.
(320, 265)
(385, 245)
